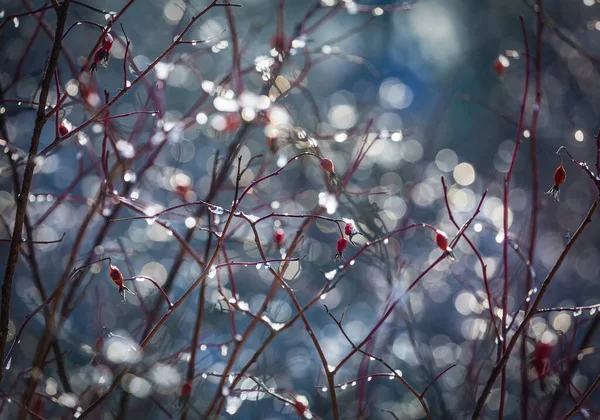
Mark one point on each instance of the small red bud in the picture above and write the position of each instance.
(342, 243)
(441, 239)
(327, 165)
(560, 175)
(542, 350)
(279, 237)
(500, 65)
(107, 42)
(349, 229)
(100, 57)
(541, 361)
(63, 130)
(117, 277)
(186, 389)
(300, 408)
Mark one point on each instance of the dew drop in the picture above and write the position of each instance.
(216, 209)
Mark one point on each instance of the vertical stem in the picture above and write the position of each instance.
(515, 337)
(534, 198)
(23, 197)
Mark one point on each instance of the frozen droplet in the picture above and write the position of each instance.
(224, 350)
(592, 311)
(353, 383)
(212, 272)
(225, 391)
(330, 274)
(151, 220)
(8, 363)
(129, 176)
(203, 347)
(352, 262)
(16, 22)
(259, 266)
(267, 266)
(323, 296)
(343, 387)
(233, 405)
(204, 376)
(369, 379)
(386, 241)
(324, 389)
(216, 209)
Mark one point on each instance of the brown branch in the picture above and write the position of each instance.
(23, 196)
(515, 337)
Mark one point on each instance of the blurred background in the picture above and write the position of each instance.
(427, 76)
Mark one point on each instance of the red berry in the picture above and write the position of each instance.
(279, 237)
(327, 165)
(560, 175)
(300, 408)
(349, 229)
(542, 350)
(342, 243)
(100, 57)
(116, 276)
(63, 130)
(107, 42)
(186, 389)
(500, 65)
(441, 239)
(541, 361)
